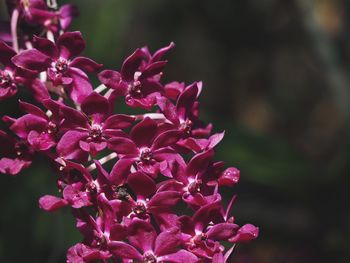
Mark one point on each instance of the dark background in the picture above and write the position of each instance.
(276, 78)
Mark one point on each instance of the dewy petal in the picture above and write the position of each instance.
(110, 78)
(96, 106)
(40, 141)
(181, 256)
(45, 46)
(141, 184)
(51, 203)
(246, 233)
(144, 132)
(124, 251)
(85, 64)
(70, 44)
(132, 64)
(32, 59)
(167, 242)
(142, 235)
(81, 86)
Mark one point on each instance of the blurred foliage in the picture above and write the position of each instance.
(275, 78)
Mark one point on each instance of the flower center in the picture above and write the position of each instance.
(199, 239)
(134, 89)
(5, 79)
(146, 155)
(139, 208)
(195, 186)
(95, 131)
(186, 126)
(51, 128)
(61, 65)
(148, 257)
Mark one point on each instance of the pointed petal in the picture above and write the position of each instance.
(51, 203)
(141, 184)
(70, 44)
(144, 132)
(85, 64)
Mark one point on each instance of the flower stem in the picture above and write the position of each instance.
(153, 116)
(14, 22)
(102, 161)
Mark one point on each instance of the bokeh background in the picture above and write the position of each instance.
(276, 78)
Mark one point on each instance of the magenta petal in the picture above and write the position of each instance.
(95, 105)
(186, 99)
(81, 86)
(166, 138)
(40, 141)
(131, 65)
(160, 53)
(144, 132)
(122, 146)
(45, 46)
(27, 123)
(6, 53)
(32, 59)
(68, 146)
(124, 251)
(141, 234)
(13, 166)
(70, 44)
(81, 253)
(118, 121)
(73, 118)
(246, 233)
(168, 109)
(32, 109)
(39, 89)
(199, 162)
(66, 13)
(153, 69)
(167, 242)
(141, 184)
(222, 231)
(181, 256)
(51, 203)
(215, 139)
(121, 170)
(110, 78)
(164, 199)
(85, 64)
(229, 177)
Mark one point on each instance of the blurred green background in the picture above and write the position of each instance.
(276, 78)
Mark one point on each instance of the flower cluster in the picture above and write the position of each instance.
(160, 202)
